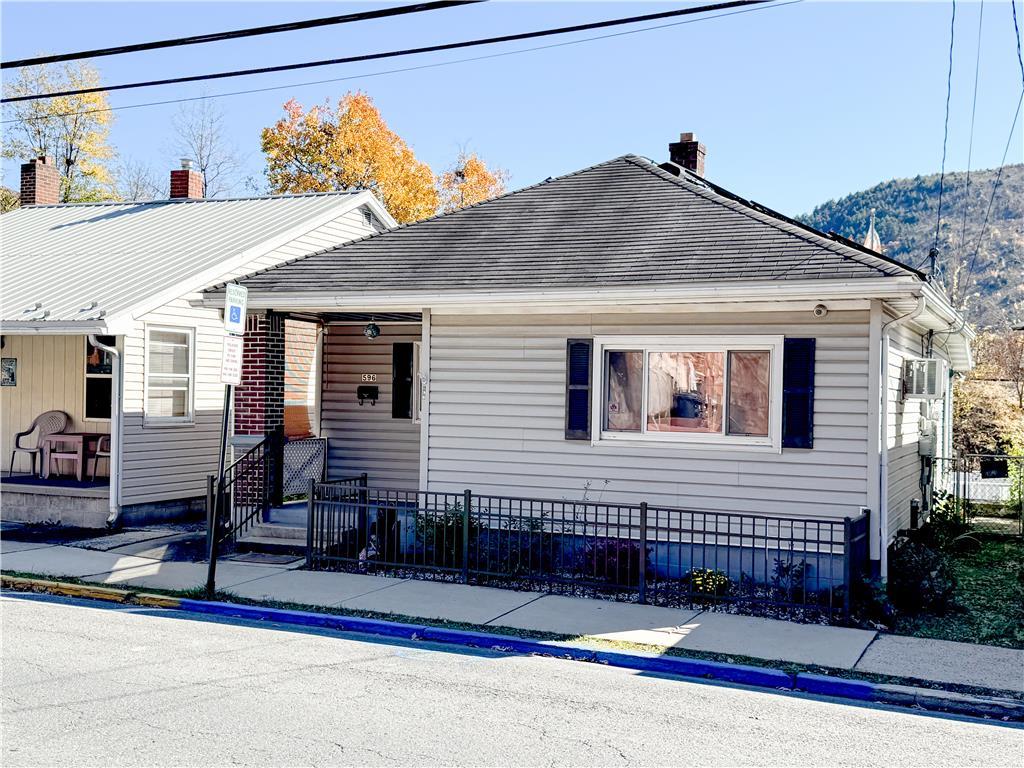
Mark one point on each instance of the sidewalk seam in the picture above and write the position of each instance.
(513, 610)
(861, 657)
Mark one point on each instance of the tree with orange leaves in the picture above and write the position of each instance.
(469, 181)
(324, 149)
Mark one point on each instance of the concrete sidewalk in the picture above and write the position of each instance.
(836, 647)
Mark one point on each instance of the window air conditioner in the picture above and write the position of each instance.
(924, 378)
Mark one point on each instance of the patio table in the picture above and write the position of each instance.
(81, 442)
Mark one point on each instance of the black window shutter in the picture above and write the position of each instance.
(401, 380)
(798, 393)
(577, 388)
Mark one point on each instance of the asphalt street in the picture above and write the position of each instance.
(90, 684)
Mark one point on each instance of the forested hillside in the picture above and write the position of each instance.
(905, 211)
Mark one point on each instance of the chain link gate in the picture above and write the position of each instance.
(986, 491)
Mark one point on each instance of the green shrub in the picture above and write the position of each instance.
(945, 523)
(921, 579)
(708, 581)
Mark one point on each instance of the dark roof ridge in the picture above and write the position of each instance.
(700, 185)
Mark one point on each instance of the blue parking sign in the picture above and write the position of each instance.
(235, 300)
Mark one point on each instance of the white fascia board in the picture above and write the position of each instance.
(804, 290)
(215, 274)
(55, 328)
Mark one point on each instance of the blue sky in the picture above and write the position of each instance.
(797, 104)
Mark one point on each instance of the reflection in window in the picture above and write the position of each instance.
(685, 392)
(624, 391)
(748, 393)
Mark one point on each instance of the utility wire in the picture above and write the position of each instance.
(418, 67)
(991, 198)
(945, 134)
(393, 54)
(970, 143)
(214, 37)
(1002, 164)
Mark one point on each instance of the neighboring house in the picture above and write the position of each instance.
(97, 322)
(629, 331)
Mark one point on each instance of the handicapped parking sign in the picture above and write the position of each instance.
(235, 299)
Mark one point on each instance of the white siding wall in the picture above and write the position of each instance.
(497, 417)
(366, 438)
(903, 429)
(167, 463)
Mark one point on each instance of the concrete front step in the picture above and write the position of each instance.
(274, 539)
(277, 531)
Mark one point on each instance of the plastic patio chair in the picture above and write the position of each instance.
(102, 452)
(48, 423)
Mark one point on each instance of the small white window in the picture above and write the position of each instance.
(169, 375)
(690, 389)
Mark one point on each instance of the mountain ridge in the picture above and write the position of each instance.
(905, 215)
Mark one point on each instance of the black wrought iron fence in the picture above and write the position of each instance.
(985, 490)
(631, 552)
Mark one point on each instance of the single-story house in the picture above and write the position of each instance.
(630, 331)
(98, 324)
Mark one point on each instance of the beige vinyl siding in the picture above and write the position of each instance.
(366, 438)
(51, 377)
(162, 463)
(497, 392)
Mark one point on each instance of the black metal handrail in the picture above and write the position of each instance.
(632, 551)
(245, 495)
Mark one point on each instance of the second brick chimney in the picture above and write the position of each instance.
(186, 182)
(40, 182)
(688, 152)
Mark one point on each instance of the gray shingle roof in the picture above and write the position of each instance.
(625, 222)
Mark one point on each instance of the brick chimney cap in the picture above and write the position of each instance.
(42, 159)
(187, 164)
(688, 136)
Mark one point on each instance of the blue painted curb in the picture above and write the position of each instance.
(305, 618)
(642, 662)
(824, 685)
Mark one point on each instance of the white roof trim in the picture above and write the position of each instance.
(213, 275)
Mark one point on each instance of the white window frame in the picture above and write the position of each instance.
(709, 343)
(85, 387)
(170, 421)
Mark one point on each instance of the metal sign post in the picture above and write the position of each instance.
(235, 300)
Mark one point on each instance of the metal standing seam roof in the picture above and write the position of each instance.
(625, 222)
(86, 261)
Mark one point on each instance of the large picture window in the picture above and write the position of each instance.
(169, 375)
(691, 389)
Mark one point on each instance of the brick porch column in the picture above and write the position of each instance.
(259, 399)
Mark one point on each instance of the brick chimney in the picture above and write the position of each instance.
(688, 152)
(40, 182)
(187, 182)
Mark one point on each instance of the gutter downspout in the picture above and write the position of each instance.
(883, 432)
(115, 429)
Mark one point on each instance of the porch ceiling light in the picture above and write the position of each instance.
(371, 331)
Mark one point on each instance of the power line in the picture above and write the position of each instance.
(393, 54)
(418, 67)
(945, 134)
(970, 143)
(214, 37)
(992, 197)
(1002, 164)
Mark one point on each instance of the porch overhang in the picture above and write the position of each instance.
(767, 292)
